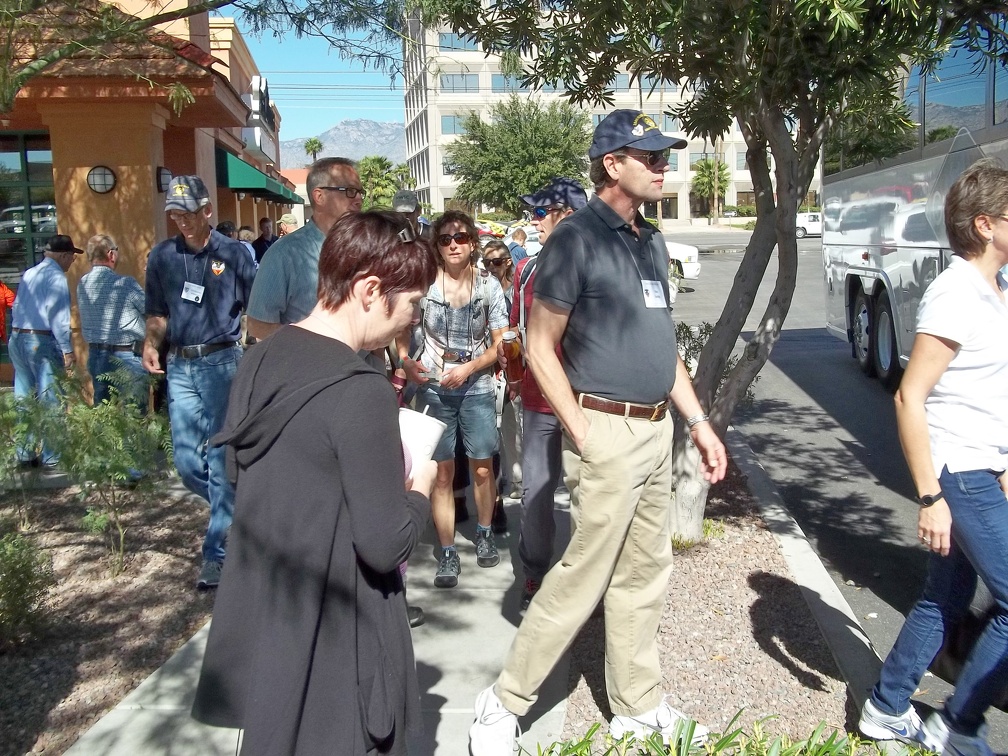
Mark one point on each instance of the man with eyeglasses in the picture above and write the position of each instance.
(197, 285)
(39, 344)
(601, 292)
(111, 308)
(287, 282)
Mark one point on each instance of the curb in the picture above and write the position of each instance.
(853, 652)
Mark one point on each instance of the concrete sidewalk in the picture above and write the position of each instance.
(459, 651)
(461, 647)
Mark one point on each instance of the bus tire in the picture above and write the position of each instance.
(885, 355)
(863, 332)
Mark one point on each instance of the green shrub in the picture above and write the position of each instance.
(750, 226)
(16, 417)
(499, 217)
(691, 340)
(26, 576)
(746, 211)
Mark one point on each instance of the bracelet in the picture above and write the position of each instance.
(697, 419)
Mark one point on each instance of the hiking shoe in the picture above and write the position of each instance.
(937, 736)
(495, 730)
(530, 589)
(499, 523)
(448, 569)
(878, 725)
(209, 575)
(665, 720)
(486, 549)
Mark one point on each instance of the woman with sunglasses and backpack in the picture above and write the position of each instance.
(463, 317)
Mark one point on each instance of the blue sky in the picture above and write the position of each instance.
(315, 89)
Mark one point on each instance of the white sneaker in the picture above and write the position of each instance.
(937, 736)
(495, 730)
(665, 720)
(878, 725)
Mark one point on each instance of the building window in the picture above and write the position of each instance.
(650, 210)
(673, 161)
(447, 167)
(449, 41)
(670, 207)
(27, 201)
(694, 158)
(597, 119)
(670, 123)
(745, 198)
(460, 83)
(500, 83)
(452, 124)
(622, 82)
(740, 163)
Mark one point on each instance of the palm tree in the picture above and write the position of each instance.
(403, 178)
(313, 146)
(706, 179)
(378, 179)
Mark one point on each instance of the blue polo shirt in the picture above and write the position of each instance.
(225, 270)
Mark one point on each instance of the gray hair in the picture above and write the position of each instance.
(318, 174)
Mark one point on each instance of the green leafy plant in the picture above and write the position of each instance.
(110, 450)
(26, 576)
(691, 340)
(17, 417)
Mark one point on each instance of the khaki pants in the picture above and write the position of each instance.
(620, 548)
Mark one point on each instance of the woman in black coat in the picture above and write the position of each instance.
(309, 650)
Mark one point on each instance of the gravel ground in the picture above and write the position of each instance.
(736, 635)
(105, 634)
(736, 632)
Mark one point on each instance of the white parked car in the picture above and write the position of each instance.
(688, 256)
(808, 224)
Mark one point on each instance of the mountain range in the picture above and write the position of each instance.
(352, 138)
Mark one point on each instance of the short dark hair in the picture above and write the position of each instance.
(597, 172)
(264, 220)
(226, 227)
(318, 173)
(463, 219)
(982, 189)
(371, 244)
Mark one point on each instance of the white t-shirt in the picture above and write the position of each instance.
(967, 411)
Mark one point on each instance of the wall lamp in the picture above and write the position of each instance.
(163, 178)
(101, 179)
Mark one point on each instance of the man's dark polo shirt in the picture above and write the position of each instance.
(614, 346)
(261, 245)
(226, 272)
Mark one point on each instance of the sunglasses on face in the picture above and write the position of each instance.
(496, 261)
(350, 191)
(650, 158)
(539, 213)
(460, 237)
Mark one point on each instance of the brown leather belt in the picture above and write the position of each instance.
(200, 350)
(652, 412)
(32, 330)
(113, 347)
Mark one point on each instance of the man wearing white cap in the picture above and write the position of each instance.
(601, 292)
(197, 285)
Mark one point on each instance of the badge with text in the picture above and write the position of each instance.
(654, 294)
(217, 267)
(192, 292)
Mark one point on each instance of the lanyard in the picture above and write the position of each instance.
(185, 261)
(633, 259)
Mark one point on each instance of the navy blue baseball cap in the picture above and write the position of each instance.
(186, 193)
(630, 128)
(559, 191)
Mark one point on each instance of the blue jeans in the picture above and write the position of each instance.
(37, 360)
(474, 414)
(197, 404)
(101, 361)
(979, 544)
(542, 467)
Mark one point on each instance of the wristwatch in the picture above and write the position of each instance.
(928, 499)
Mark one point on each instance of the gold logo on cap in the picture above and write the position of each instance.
(642, 123)
(181, 190)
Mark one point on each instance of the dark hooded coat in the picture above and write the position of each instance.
(309, 649)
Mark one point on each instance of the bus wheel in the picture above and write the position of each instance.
(862, 332)
(884, 354)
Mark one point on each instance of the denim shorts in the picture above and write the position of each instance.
(475, 414)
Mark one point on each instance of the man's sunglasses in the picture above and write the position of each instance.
(460, 237)
(651, 158)
(351, 191)
(541, 212)
(496, 261)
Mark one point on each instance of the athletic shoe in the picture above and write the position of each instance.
(209, 575)
(486, 549)
(878, 725)
(499, 523)
(495, 730)
(937, 736)
(664, 720)
(530, 589)
(448, 569)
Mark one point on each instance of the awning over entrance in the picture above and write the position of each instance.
(237, 175)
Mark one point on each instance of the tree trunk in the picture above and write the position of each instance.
(689, 496)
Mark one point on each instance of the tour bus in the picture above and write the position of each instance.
(885, 243)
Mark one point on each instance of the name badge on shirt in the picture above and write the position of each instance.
(654, 294)
(192, 292)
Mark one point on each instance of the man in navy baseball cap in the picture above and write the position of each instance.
(630, 128)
